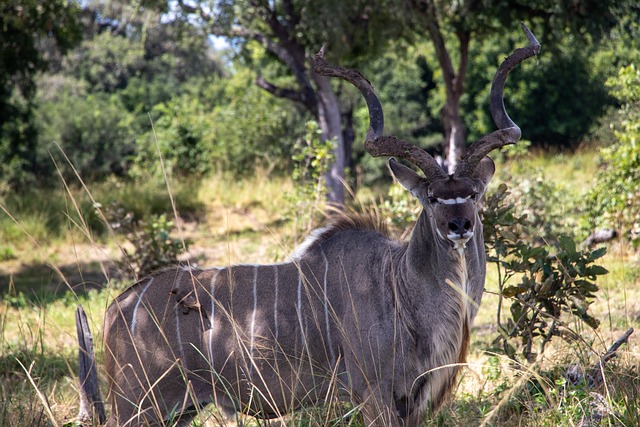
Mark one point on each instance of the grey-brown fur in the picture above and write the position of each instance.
(384, 322)
(381, 318)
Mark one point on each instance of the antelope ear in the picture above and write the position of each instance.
(485, 170)
(405, 176)
(187, 301)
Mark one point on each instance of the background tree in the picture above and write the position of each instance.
(290, 31)
(33, 35)
(96, 107)
(456, 24)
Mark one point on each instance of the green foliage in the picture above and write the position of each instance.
(252, 128)
(614, 201)
(218, 124)
(622, 47)
(181, 135)
(400, 208)
(542, 285)
(312, 157)
(95, 132)
(31, 34)
(107, 62)
(562, 73)
(547, 207)
(154, 247)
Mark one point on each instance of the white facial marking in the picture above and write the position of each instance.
(460, 242)
(456, 201)
(135, 309)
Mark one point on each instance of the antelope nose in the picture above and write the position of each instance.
(459, 226)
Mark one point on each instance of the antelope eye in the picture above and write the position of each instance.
(433, 200)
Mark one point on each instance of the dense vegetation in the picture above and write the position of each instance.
(111, 85)
(127, 141)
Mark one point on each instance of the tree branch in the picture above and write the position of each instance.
(288, 93)
(280, 42)
(595, 375)
(463, 37)
(429, 13)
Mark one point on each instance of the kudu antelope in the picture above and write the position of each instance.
(353, 311)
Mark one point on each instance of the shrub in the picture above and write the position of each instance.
(312, 157)
(614, 200)
(95, 133)
(154, 247)
(542, 284)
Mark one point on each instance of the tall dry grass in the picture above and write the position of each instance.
(55, 253)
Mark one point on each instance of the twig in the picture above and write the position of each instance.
(595, 375)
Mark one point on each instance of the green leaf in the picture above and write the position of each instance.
(512, 291)
(567, 244)
(596, 270)
(598, 253)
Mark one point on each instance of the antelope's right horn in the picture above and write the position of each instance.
(508, 132)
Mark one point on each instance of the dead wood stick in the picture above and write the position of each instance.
(595, 375)
(91, 404)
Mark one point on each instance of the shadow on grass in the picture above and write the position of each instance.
(41, 284)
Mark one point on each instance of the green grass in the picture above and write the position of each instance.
(53, 258)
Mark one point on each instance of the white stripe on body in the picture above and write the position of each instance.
(299, 308)
(179, 336)
(275, 301)
(253, 317)
(178, 332)
(302, 248)
(213, 312)
(135, 309)
(326, 308)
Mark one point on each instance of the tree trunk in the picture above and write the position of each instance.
(455, 133)
(331, 126)
(348, 137)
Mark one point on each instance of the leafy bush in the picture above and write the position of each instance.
(223, 124)
(614, 200)
(94, 131)
(312, 157)
(182, 132)
(542, 284)
(544, 207)
(400, 207)
(560, 75)
(154, 247)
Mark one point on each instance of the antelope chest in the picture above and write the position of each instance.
(442, 347)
